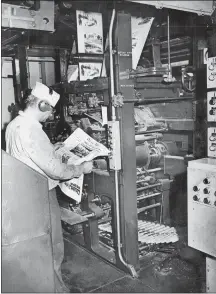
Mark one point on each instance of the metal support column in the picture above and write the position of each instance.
(23, 71)
(125, 114)
(90, 229)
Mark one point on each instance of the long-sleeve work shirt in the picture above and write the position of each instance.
(26, 141)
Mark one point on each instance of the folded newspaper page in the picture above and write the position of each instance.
(78, 148)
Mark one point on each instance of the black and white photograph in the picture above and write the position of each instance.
(90, 32)
(108, 146)
(93, 43)
(89, 70)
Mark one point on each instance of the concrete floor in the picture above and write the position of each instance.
(183, 272)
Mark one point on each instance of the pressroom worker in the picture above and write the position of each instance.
(26, 141)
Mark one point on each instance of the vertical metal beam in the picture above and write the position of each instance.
(200, 134)
(64, 59)
(16, 81)
(156, 52)
(195, 41)
(24, 78)
(165, 217)
(57, 66)
(43, 72)
(90, 229)
(128, 197)
(61, 76)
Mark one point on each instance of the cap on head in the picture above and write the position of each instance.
(42, 92)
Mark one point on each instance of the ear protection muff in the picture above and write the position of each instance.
(44, 106)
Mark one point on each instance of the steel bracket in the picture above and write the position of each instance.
(118, 100)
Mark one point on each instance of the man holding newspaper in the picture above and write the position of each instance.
(26, 141)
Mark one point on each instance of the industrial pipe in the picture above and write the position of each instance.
(142, 137)
(144, 101)
(150, 131)
(139, 198)
(169, 78)
(83, 57)
(143, 247)
(154, 170)
(149, 171)
(130, 267)
(168, 44)
(146, 179)
(148, 187)
(143, 156)
(143, 85)
(148, 207)
(111, 62)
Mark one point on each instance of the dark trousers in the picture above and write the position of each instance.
(57, 241)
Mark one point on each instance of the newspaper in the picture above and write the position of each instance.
(78, 148)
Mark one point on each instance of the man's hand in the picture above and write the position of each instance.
(87, 167)
(58, 145)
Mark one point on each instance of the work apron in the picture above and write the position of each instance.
(57, 241)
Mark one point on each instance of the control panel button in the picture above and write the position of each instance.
(212, 111)
(195, 198)
(195, 188)
(206, 181)
(212, 101)
(206, 201)
(206, 191)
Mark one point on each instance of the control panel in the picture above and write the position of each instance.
(114, 145)
(17, 16)
(202, 205)
(205, 193)
(211, 106)
(211, 72)
(212, 142)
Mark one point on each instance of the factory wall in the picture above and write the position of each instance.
(8, 96)
(41, 71)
